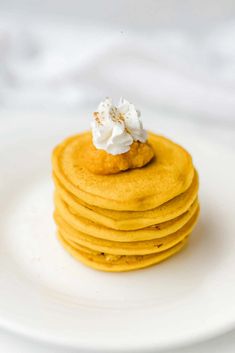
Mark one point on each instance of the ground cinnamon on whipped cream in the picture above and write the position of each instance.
(119, 141)
(115, 128)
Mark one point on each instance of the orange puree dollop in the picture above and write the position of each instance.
(100, 162)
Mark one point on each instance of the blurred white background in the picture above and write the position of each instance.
(172, 56)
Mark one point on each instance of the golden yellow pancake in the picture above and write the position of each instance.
(125, 248)
(129, 220)
(167, 176)
(96, 230)
(112, 263)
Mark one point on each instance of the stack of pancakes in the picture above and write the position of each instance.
(129, 220)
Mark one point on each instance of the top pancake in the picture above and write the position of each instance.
(168, 175)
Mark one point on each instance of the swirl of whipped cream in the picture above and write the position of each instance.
(115, 128)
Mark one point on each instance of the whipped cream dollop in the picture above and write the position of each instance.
(115, 128)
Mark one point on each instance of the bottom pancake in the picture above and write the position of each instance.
(114, 263)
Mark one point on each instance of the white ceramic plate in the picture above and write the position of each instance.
(47, 295)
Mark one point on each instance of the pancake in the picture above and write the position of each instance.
(167, 176)
(111, 263)
(125, 248)
(129, 220)
(96, 230)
